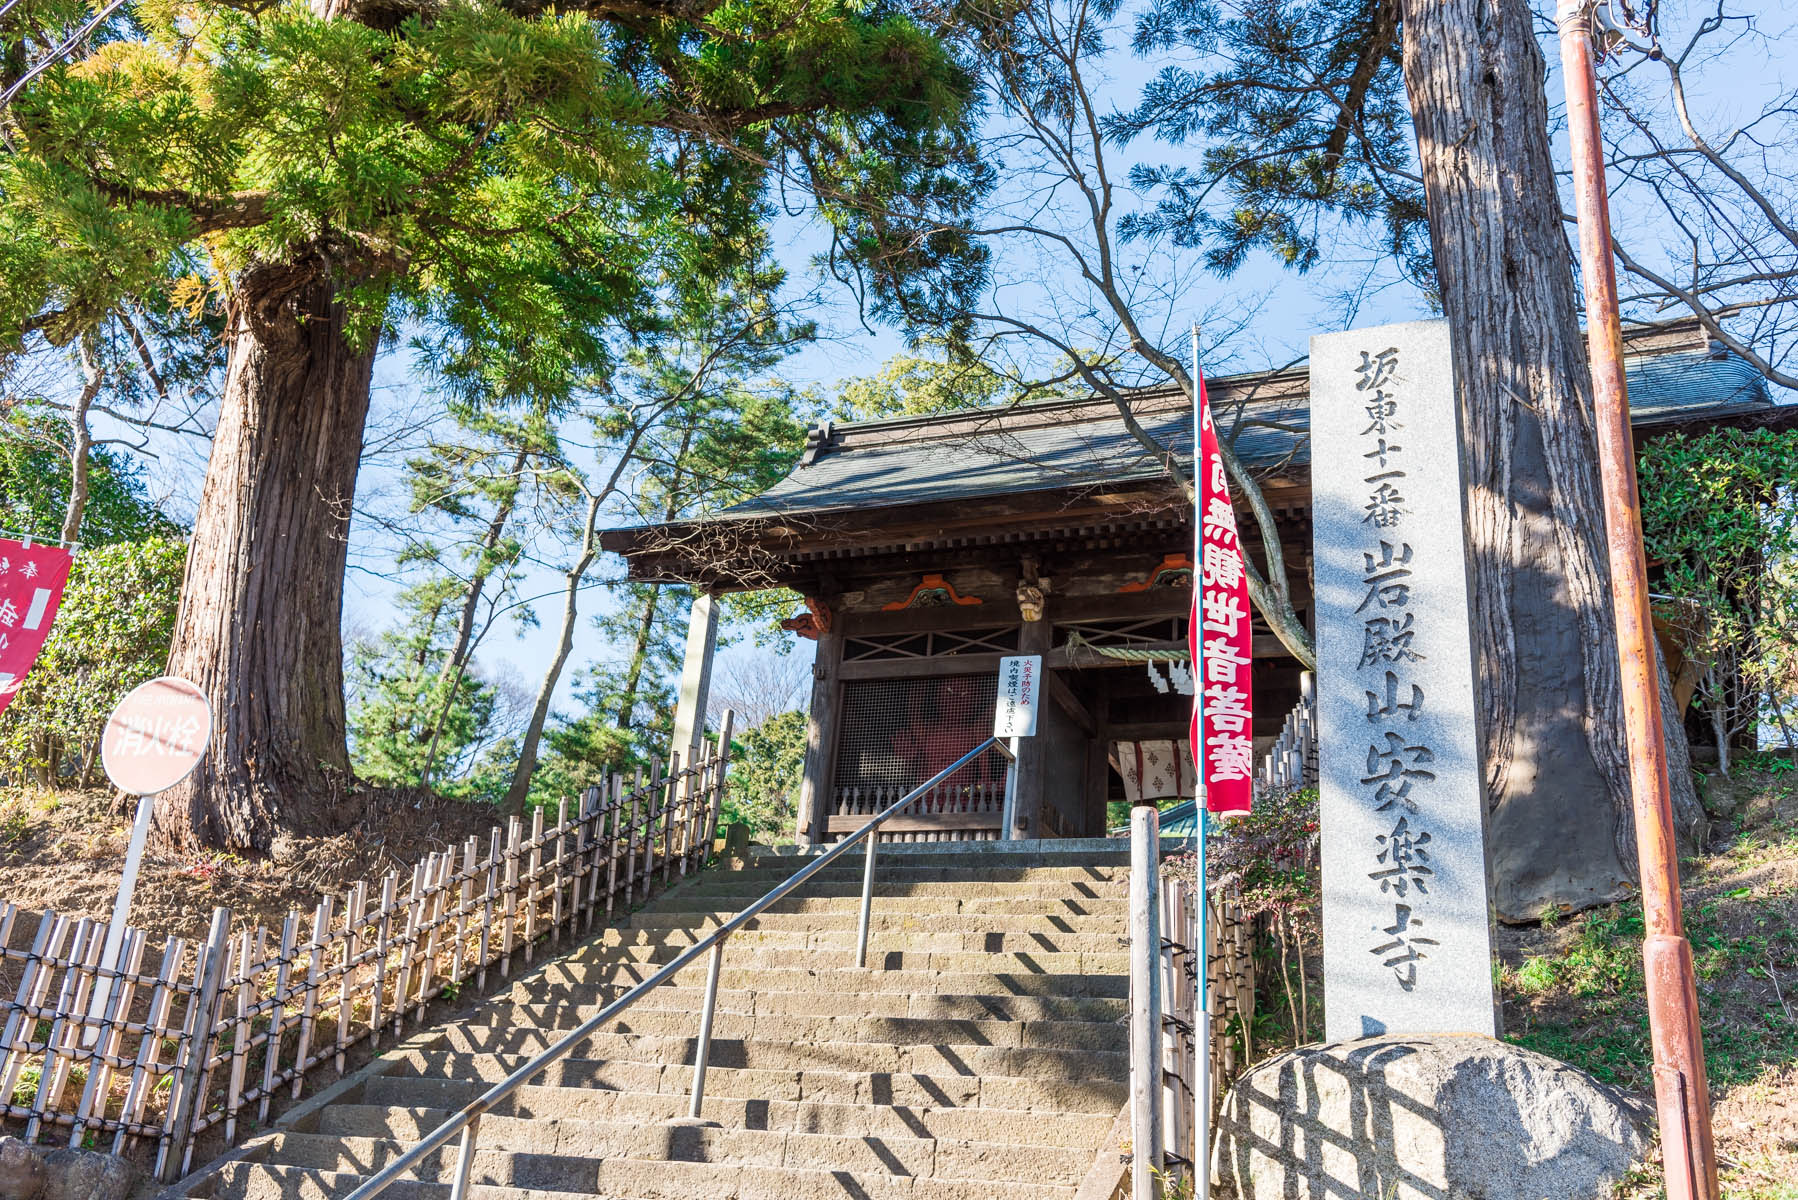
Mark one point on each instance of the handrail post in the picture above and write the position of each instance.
(465, 1159)
(1145, 1002)
(861, 932)
(703, 1051)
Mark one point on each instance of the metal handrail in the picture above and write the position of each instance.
(467, 1120)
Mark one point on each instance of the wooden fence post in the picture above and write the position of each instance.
(596, 846)
(103, 1048)
(277, 1023)
(464, 905)
(650, 799)
(614, 844)
(194, 1050)
(315, 967)
(69, 1001)
(556, 875)
(357, 902)
(509, 895)
(488, 890)
(34, 981)
(533, 892)
(720, 781)
(143, 1077)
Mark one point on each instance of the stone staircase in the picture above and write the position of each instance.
(981, 1056)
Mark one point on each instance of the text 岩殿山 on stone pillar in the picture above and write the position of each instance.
(1406, 898)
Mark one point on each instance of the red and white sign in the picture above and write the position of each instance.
(156, 735)
(32, 578)
(1221, 635)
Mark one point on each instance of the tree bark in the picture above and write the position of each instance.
(81, 445)
(262, 600)
(1561, 833)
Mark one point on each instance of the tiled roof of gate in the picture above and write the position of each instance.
(1071, 443)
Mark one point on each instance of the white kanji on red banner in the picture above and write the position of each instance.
(31, 583)
(1221, 635)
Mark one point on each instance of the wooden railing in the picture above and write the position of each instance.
(221, 1028)
(953, 813)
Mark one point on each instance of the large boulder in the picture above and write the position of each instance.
(1423, 1118)
(21, 1170)
(86, 1175)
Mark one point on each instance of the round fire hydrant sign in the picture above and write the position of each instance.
(156, 736)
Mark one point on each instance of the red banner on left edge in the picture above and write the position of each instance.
(31, 584)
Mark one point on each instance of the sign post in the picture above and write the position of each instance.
(1020, 686)
(154, 739)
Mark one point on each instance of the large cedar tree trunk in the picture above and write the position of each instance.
(1561, 833)
(262, 601)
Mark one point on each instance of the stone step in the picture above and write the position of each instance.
(629, 1179)
(692, 900)
(540, 1106)
(568, 1155)
(902, 870)
(686, 1001)
(581, 984)
(879, 940)
(849, 884)
(1064, 852)
(272, 1181)
(879, 922)
(800, 1031)
(1085, 1083)
(936, 1057)
(592, 964)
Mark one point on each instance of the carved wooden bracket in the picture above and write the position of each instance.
(812, 624)
(1175, 571)
(934, 592)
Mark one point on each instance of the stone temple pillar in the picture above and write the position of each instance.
(696, 674)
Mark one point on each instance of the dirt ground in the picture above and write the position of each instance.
(1573, 988)
(66, 851)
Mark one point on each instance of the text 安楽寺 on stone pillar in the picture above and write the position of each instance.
(1406, 913)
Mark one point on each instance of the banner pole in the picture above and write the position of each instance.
(1201, 1142)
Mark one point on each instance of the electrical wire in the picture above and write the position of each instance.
(60, 52)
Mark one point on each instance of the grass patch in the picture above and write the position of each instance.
(1573, 988)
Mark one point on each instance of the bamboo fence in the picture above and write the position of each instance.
(95, 1051)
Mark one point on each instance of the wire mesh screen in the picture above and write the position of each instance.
(900, 732)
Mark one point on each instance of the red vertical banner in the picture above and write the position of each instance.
(1221, 635)
(31, 582)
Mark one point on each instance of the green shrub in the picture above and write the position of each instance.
(766, 771)
(112, 633)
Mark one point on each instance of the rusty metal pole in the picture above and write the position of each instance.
(1682, 1097)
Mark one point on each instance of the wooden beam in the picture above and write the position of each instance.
(1098, 767)
(1070, 703)
(821, 728)
(921, 668)
(1033, 753)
